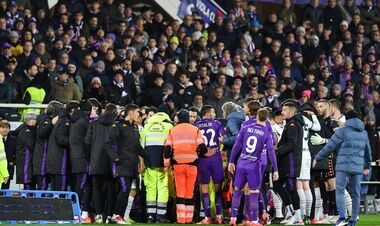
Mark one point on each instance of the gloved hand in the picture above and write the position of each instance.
(317, 140)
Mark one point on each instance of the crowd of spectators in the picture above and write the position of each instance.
(106, 50)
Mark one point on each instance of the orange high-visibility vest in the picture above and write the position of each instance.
(184, 140)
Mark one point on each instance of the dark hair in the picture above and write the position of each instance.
(254, 106)
(130, 107)
(153, 109)
(5, 123)
(290, 104)
(193, 109)
(111, 108)
(71, 106)
(206, 109)
(262, 115)
(249, 99)
(324, 101)
(335, 103)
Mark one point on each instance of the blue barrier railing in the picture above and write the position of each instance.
(42, 213)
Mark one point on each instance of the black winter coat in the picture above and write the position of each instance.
(26, 137)
(58, 148)
(10, 145)
(124, 148)
(289, 151)
(44, 128)
(97, 132)
(79, 156)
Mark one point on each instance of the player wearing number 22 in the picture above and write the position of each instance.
(211, 165)
(250, 143)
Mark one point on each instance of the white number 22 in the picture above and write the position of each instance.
(251, 144)
(211, 142)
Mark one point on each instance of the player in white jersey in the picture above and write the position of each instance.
(303, 188)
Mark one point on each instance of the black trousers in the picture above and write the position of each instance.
(41, 182)
(285, 187)
(82, 186)
(103, 194)
(5, 186)
(124, 187)
(58, 182)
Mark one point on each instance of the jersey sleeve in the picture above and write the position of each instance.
(221, 130)
(270, 150)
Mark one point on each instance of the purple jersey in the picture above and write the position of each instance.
(211, 130)
(252, 121)
(250, 143)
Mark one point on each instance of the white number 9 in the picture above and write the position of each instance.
(251, 144)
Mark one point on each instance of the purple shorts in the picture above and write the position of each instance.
(211, 167)
(252, 176)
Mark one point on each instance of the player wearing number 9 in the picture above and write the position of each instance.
(250, 143)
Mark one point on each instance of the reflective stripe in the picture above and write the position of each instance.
(185, 156)
(4, 158)
(169, 142)
(181, 207)
(162, 204)
(151, 203)
(154, 142)
(184, 142)
(161, 212)
(181, 215)
(151, 210)
(156, 135)
(189, 208)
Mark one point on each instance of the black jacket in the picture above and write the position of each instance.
(332, 17)
(26, 136)
(78, 153)
(124, 148)
(114, 94)
(97, 132)
(58, 148)
(289, 151)
(153, 96)
(10, 151)
(44, 127)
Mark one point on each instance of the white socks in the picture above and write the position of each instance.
(301, 194)
(129, 207)
(277, 202)
(348, 202)
(318, 203)
(289, 211)
(309, 201)
(84, 214)
(298, 215)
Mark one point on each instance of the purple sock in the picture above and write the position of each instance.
(246, 204)
(206, 204)
(218, 203)
(261, 202)
(236, 196)
(253, 207)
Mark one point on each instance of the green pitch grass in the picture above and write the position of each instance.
(365, 220)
